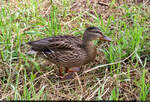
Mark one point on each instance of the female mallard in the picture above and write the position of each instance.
(69, 51)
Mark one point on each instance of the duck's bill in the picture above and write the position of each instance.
(105, 38)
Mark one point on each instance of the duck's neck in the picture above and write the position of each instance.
(90, 49)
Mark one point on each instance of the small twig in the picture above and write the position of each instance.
(93, 94)
(25, 29)
(65, 23)
(73, 5)
(46, 13)
(102, 3)
(79, 83)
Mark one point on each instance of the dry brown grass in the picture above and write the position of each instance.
(87, 83)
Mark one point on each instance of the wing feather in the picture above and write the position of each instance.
(55, 43)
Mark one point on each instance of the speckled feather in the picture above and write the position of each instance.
(66, 51)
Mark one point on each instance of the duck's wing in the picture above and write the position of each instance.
(55, 43)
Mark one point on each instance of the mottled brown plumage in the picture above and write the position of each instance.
(69, 51)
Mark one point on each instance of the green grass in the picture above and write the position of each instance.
(23, 77)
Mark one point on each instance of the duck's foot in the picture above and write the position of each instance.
(76, 69)
(70, 74)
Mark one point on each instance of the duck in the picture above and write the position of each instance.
(67, 51)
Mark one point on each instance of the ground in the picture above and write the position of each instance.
(121, 70)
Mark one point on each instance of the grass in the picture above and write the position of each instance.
(119, 72)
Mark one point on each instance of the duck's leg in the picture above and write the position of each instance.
(60, 71)
(66, 70)
(71, 72)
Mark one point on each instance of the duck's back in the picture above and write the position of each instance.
(55, 42)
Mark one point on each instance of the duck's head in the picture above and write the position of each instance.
(93, 33)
